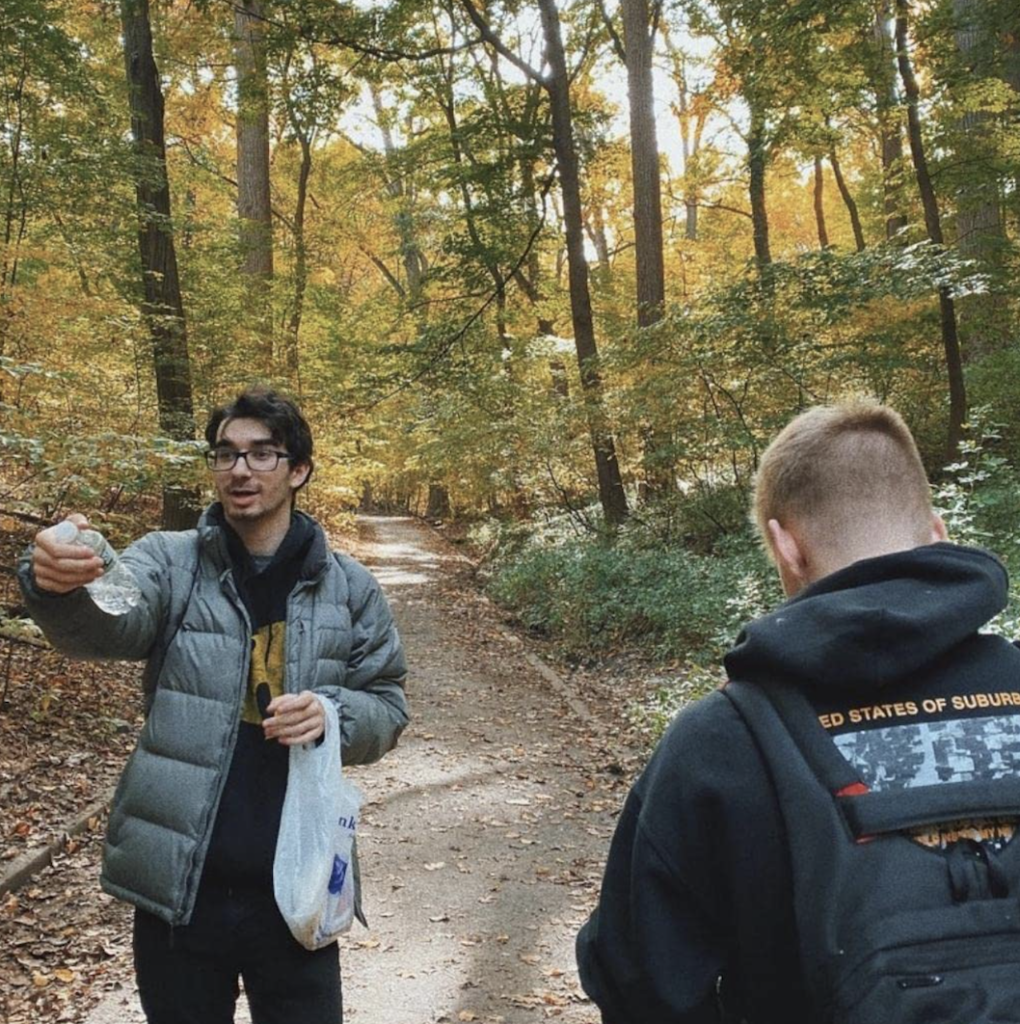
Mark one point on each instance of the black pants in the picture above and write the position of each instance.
(189, 975)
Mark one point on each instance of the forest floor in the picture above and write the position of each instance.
(482, 840)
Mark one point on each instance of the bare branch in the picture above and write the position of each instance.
(490, 37)
(458, 336)
(383, 269)
(212, 169)
(723, 206)
(613, 34)
(359, 46)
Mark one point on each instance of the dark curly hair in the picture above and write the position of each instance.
(287, 426)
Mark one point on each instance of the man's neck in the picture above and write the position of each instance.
(262, 539)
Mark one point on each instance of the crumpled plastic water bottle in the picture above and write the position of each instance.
(115, 592)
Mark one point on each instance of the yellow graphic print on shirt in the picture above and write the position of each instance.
(267, 668)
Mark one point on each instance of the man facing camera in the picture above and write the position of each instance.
(247, 625)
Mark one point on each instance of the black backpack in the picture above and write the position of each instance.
(889, 931)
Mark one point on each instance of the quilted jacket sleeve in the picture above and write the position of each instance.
(373, 708)
(77, 628)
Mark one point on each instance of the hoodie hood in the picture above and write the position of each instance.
(305, 538)
(875, 622)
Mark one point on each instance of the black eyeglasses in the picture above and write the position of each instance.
(258, 460)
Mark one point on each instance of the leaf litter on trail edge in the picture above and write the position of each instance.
(66, 729)
(61, 943)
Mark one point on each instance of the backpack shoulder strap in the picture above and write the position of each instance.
(758, 703)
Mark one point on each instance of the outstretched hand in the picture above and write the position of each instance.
(295, 718)
(60, 568)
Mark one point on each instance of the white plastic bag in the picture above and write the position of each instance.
(313, 879)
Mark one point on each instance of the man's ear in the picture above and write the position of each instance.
(791, 559)
(938, 529)
(299, 475)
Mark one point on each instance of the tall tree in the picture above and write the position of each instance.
(556, 82)
(933, 223)
(611, 492)
(692, 114)
(819, 202)
(162, 306)
(644, 150)
(753, 55)
(890, 128)
(45, 90)
(400, 189)
(757, 164)
(848, 199)
(254, 208)
(305, 136)
(638, 42)
(312, 94)
(980, 227)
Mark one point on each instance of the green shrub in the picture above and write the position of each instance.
(979, 500)
(596, 597)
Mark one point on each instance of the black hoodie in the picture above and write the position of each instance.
(697, 885)
(243, 842)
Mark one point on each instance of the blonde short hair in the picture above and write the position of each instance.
(842, 471)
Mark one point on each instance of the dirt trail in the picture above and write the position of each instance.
(484, 832)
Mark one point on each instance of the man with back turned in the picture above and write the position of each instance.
(827, 837)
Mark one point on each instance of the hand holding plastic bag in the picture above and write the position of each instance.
(313, 879)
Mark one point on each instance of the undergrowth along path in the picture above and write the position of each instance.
(484, 832)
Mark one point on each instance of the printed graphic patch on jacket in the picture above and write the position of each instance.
(936, 752)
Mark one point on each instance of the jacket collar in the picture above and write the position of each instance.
(212, 535)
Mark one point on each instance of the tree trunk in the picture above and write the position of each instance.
(690, 148)
(691, 113)
(757, 156)
(15, 215)
(255, 224)
(980, 231)
(1009, 42)
(532, 267)
(848, 200)
(933, 222)
(823, 234)
(404, 219)
(292, 355)
(161, 305)
(15, 204)
(558, 378)
(486, 256)
(890, 126)
(611, 492)
(439, 502)
(644, 148)
(528, 277)
(600, 241)
(644, 151)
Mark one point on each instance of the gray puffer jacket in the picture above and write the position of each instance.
(192, 629)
